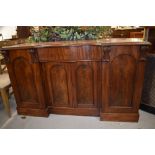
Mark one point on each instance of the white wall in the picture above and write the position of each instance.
(7, 32)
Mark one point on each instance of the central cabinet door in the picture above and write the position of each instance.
(73, 84)
(58, 81)
(85, 82)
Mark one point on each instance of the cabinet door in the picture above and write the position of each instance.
(26, 79)
(86, 80)
(122, 78)
(58, 84)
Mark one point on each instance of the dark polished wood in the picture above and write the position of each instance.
(122, 80)
(128, 33)
(136, 34)
(23, 31)
(95, 78)
(150, 36)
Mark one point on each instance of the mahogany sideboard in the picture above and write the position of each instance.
(95, 78)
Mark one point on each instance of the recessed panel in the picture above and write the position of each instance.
(122, 74)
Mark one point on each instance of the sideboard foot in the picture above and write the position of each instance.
(33, 112)
(120, 117)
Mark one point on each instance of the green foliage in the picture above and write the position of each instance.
(56, 33)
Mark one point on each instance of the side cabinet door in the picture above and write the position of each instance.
(58, 84)
(122, 78)
(26, 79)
(86, 84)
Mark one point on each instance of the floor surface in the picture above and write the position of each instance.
(76, 122)
(146, 121)
(3, 115)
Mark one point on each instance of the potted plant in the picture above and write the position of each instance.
(61, 33)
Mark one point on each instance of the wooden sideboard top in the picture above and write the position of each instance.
(11, 42)
(111, 41)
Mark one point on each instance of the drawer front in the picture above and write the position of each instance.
(69, 53)
(117, 51)
(110, 53)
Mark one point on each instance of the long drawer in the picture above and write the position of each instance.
(74, 53)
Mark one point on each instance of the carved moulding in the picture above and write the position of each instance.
(106, 50)
(34, 55)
